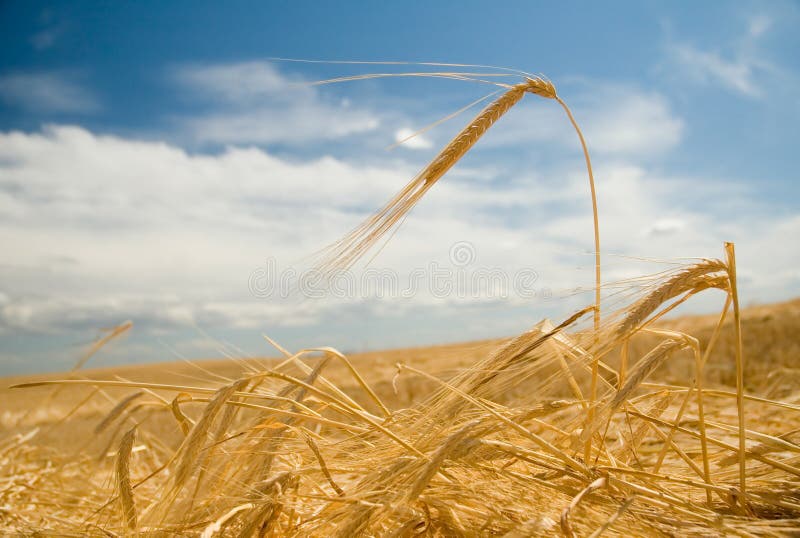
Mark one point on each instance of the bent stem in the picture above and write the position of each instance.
(587, 454)
(594, 213)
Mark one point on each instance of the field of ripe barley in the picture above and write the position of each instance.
(475, 439)
(593, 215)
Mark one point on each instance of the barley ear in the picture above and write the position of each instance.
(123, 478)
(345, 252)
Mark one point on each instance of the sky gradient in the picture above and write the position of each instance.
(158, 165)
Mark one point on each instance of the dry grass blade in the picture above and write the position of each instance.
(544, 444)
(613, 519)
(449, 448)
(330, 352)
(634, 439)
(112, 334)
(566, 527)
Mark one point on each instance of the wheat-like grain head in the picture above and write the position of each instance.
(342, 254)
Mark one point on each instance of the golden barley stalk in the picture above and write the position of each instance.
(646, 366)
(175, 407)
(444, 451)
(345, 252)
(196, 440)
(123, 478)
(737, 326)
(543, 443)
(217, 525)
(683, 281)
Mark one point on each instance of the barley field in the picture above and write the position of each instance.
(618, 420)
(474, 439)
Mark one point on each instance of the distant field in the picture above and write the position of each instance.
(771, 339)
(60, 446)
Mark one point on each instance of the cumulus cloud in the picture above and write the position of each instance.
(107, 228)
(254, 103)
(54, 92)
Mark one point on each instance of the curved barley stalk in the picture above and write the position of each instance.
(342, 254)
(345, 252)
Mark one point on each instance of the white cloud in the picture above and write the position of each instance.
(105, 229)
(743, 65)
(245, 83)
(709, 67)
(418, 141)
(664, 227)
(628, 122)
(46, 92)
(759, 24)
(103, 226)
(253, 103)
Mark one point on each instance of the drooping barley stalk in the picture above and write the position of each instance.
(342, 254)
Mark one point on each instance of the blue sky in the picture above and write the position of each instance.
(154, 161)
